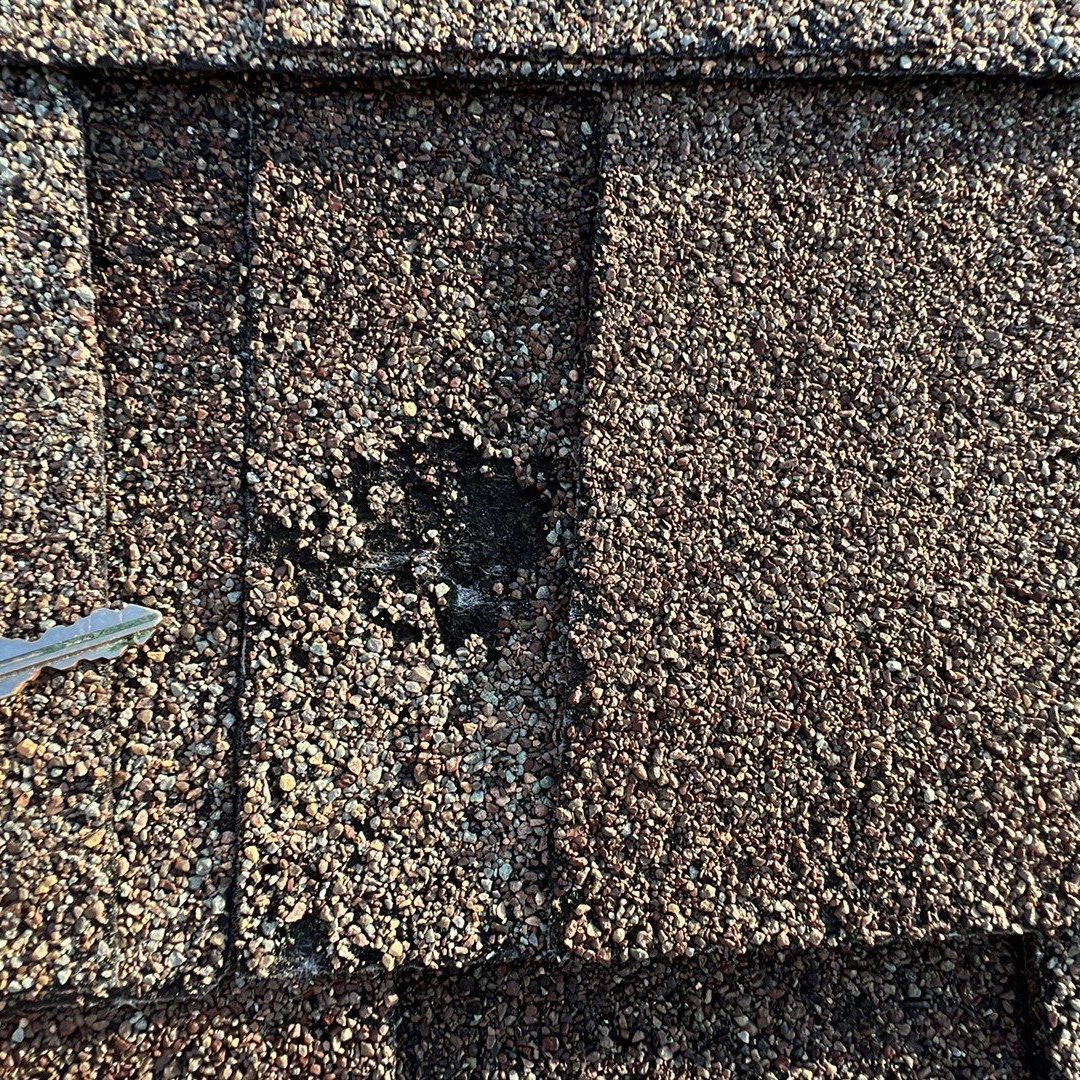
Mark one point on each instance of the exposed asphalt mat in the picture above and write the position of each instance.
(417, 283)
(55, 773)
(169, 190)
(827, 567)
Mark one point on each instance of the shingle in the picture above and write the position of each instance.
(828, 568)
(207, 33)
(904, 1011)
(56, 765)
(276, 1033)
(548, 39)
(169, 194)
(595, 30)
(935, 1011)
(1056, 971)
(418, 269)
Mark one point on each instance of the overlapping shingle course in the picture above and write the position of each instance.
(1054, 967)
(366, 466)
(549, 39)
(892, 1012)
(942, 1010)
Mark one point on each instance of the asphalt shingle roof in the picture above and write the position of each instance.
(617, 542)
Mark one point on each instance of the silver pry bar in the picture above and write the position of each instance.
(102, 634)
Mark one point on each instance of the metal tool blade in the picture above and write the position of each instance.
(104, 633)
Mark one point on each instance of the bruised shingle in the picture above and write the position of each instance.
(417, 282)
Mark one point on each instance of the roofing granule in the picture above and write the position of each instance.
(828, 568)
(54, 927)
(417, 283)
(169, 199)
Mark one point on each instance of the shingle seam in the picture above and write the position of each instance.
(590, 340)
(586, 335)
(603, 81)
(537, 68)
(1033, 1021)
(105, 525)
(243, 352)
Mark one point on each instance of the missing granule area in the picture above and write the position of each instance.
(436, 521)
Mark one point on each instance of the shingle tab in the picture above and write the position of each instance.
(417, 281)
(276, 1033)
(590, 29)
(206, 33)
(828, 568)
(547, 38)
(55, 770)
(169, 194)
(937, 1011)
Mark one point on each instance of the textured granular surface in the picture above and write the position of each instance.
(828, 570)
(169, 199)
(210, 33)
(896, 1012)
(592, 30)
(54, 776)
(1057, 976)
(550, 39)
(417, 281)
(278, 1032)
(933, 1011)
(617, 549)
